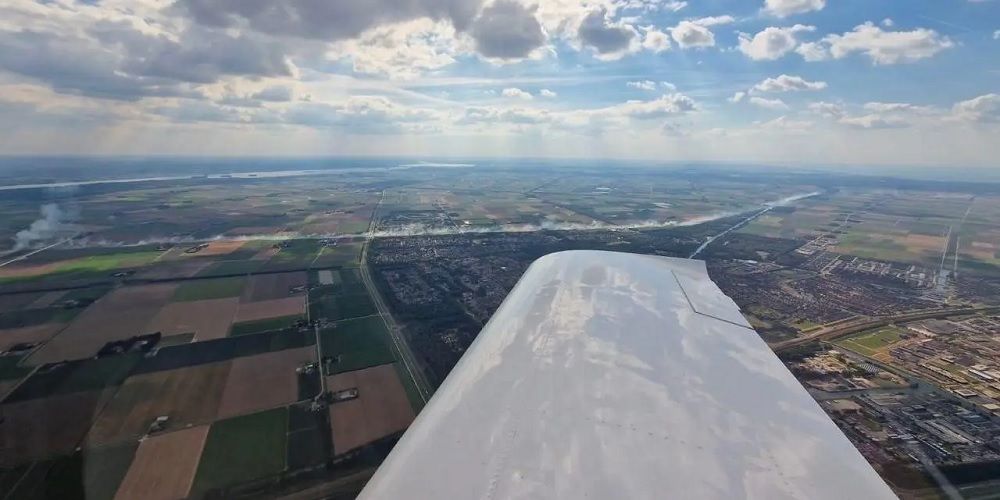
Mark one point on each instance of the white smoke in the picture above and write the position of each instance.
(54, 221)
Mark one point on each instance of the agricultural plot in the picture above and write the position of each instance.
(206, 319)
(164, 466)
(242, 448)
(356, 343)
(274, 286)
(78, 267)
(381, 408)
(263, 381)
(294, 255)
(212, 351)
(341, 254)
(41, 428)
(121, 314)
(188, 396)
(9, 337)
(76, 376)
(92, 474)
(264, 325)
(207, 289)
(308, 437)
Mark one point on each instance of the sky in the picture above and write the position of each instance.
(812, 82)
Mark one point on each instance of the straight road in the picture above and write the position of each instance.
(402, 347)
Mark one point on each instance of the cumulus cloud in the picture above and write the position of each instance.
(771, 43)
(887, 47)
(507, 30)
(775, 104)
(334, 20)
(784, 8)
(787, 83)
(812, 51)
(827, 109)
(516, 93)
(607, 38)
(985, 108)
(547, 93)
(401, 51)
(643, 85)
(655, 40)
(696, 32)
(737, 97)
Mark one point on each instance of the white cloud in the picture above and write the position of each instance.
(996, 35)
(887, 47)
(771, 43)
(669, 86)
(695, 33)
(873, 121)
(516, 93)
(980, 109)
(813, 51)
(888, 23)
(775, 104)
(785, 8)
(655, 41)
(787, 83)
(643, 85)
(547, 93)
(827, 109)
(674, 5)
(737, 97)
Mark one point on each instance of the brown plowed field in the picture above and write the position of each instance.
(207, 319)
(36, 333)
(263, 381)
(273, 286)
(187, 395)
(121, 314)
(380, 409)
(40, 428)
(164, 466)
(289, 306)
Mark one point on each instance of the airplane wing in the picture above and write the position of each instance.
(610, 375)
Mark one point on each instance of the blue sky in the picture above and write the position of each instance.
(780, 81)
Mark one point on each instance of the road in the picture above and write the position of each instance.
(866, 323)
(402, 347)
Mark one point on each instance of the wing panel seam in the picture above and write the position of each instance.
(695, 309)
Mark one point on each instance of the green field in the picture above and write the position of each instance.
(359, 343)
(335, 307)
(263, 325)
(243, 448)
(93, 474)
(77, 376)
(94, 264)
(341, 255)
(869, 343)
(209, 289)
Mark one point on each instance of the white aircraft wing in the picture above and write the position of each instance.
(607, 375)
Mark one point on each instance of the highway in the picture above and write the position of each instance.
(402, 347)
(866, 323)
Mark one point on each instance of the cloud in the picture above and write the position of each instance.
(325, 20)
(516, 93)
(401, 51)
(643, 85)
(873, 121)
(547, 93)
(787, 83)
(507, 30)
(655, 41)
(985, 108)
(827, 109)
(887, 47)
(813, 51)
(771, 43)
(607, 38)
(775, 104)
(996, 35)
(362, 115)
(737, 97)
(277, 93)
(785, 8)
(695, 33)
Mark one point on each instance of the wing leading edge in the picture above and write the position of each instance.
(610, 375)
